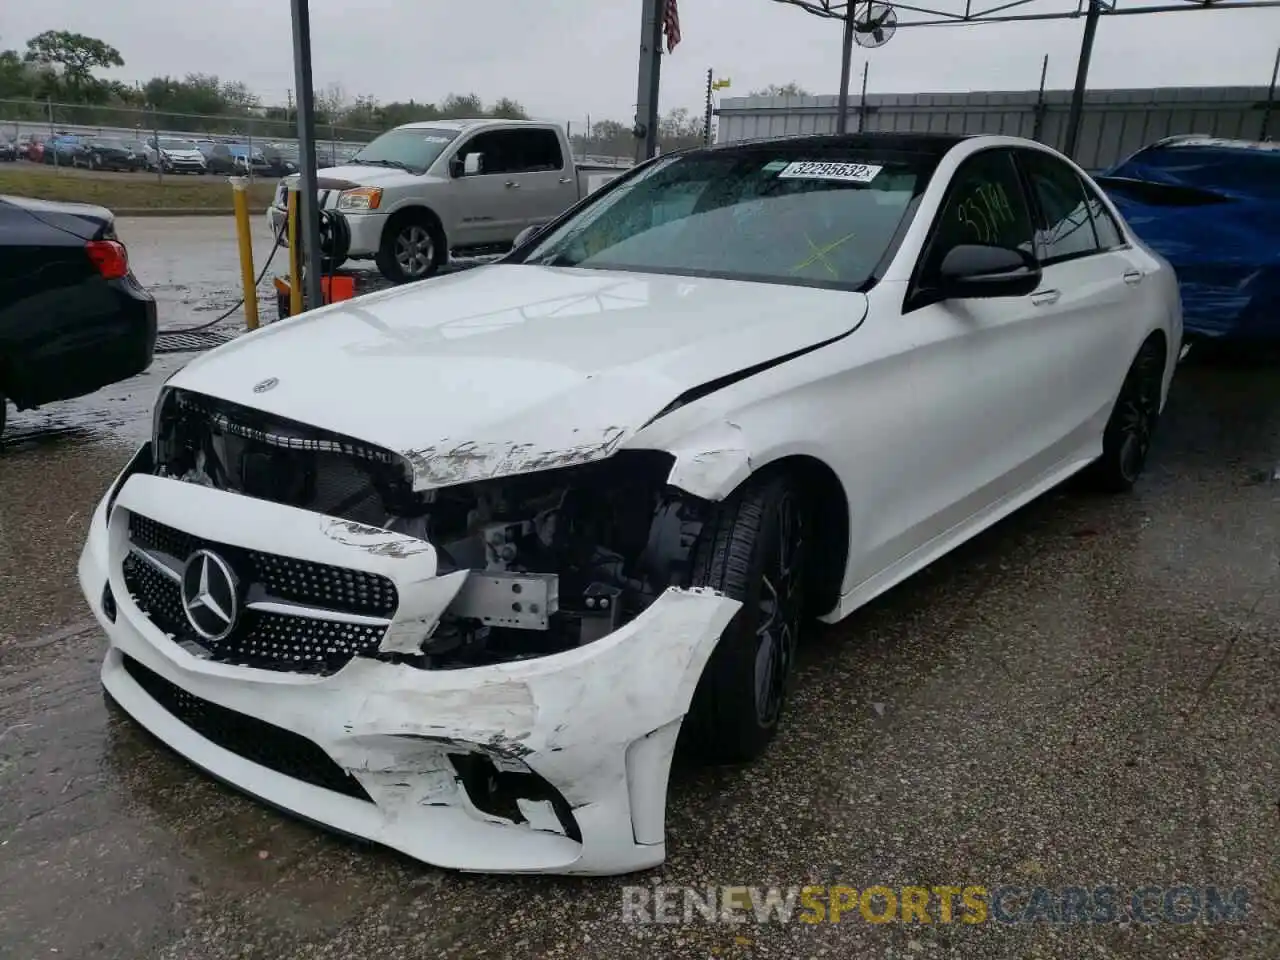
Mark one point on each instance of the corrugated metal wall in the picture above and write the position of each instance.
(1115, 122)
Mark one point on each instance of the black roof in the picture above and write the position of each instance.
(934, 145)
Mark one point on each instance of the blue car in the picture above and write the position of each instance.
(1211, 207)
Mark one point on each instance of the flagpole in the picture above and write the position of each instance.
(646, 126)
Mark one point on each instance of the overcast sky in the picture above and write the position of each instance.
(565, 59)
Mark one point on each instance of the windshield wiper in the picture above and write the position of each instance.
(385, 163)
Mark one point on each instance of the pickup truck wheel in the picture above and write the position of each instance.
(411, 250)
(753, 549)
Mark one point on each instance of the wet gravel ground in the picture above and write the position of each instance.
(1086, 695)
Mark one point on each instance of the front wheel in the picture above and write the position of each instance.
(1132, 425)
(411, 250)
(752, 549)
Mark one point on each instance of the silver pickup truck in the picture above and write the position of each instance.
(423, 192)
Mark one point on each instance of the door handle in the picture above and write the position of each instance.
(511, 185)
(1134, 277)
(1045, 297)
(566, 179)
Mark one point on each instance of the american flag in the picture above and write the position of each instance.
(671, 24)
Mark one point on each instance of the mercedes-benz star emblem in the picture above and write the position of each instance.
(266, 385)
(210, 595)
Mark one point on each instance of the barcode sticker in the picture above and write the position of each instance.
(822, 170)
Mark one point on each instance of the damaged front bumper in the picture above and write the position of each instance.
(557, 764)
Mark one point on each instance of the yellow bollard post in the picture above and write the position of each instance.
(295, 273)
(239, 187)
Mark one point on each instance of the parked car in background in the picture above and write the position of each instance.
(281, 159)
(1212, 207)
(177, 155)
(8, 149)
(455, 567)
(425, 191)
(73, 318)
(31, 148)
(61, 149)
(144, 151)
(237, 159)
(107, 153)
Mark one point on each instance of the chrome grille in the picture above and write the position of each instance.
(298, 616)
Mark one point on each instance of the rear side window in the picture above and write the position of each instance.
(1065, 228)
(1110, 236)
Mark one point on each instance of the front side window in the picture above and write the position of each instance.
(1066, 228)
(985, 205)
(767, 214)
(516, 151)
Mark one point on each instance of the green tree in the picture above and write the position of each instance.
(508, 109)
(76, 56)
(457, 106)
(15, 80)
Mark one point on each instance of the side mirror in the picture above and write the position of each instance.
(525, 235)
(473, 164)
(979, 270)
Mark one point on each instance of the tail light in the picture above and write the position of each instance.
(110, 257)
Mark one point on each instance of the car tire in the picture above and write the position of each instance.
(93, 163)
(412, 249)
(752, 549)
(1132, 424)
(4, 413)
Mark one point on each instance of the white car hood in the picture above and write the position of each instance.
(511, 369)
(184, 154)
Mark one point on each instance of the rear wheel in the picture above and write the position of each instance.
(753, 549)
(1131, 428)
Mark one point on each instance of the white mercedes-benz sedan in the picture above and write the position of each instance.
(454, 566)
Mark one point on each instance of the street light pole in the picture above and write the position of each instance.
(307, 193)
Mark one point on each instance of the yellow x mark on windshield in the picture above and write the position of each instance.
(820, 253)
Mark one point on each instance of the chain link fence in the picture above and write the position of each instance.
(607, 142)
(45, 119)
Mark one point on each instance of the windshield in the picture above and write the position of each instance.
(770, 215)
(109, 144)
(413, 150)
(177, 144)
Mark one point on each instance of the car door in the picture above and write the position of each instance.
(541, 176)
(1090, 295)
(488, 211)
(981, 374)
